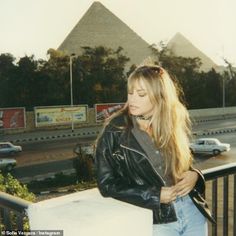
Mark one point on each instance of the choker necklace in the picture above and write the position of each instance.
(141, 117)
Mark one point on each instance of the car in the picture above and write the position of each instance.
(7, 148)
(7, 164)
(84, 148)
(209, 145)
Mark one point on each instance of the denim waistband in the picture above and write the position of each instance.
(182, 199)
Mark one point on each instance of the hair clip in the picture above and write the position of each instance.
(157, 69)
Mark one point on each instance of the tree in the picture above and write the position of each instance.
(56, 73)
(229, 78)
(98, 76)
(201, 89)
(19, 84)
(10, 185)
(7, 73)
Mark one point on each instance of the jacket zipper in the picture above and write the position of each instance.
(131, 149)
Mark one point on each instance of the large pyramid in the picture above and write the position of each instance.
(100, 27)
(180, 46)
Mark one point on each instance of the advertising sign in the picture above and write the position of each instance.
(105, 110)
(47, 116)
(12, 118)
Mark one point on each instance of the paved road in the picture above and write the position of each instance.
(215, 124)
(49, 135)
(59, 158)
(36, 153)
(47, 158)
(43, 170)
(54, 156)
(208, 161)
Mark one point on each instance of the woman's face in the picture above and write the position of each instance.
(139, 101)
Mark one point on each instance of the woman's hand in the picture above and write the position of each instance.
(187, 182)
(168, 194)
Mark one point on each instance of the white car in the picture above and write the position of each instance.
(209, 145)
(7, 164)
(7, 148)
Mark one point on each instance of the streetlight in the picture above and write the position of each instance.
(230, 76)
(71, 92)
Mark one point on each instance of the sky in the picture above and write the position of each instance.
(31, 27)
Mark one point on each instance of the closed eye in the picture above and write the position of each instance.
(142, 94)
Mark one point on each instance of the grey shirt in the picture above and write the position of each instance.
(153, 153)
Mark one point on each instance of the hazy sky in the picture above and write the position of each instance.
(33, 26)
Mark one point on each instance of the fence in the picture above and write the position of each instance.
(220, 193)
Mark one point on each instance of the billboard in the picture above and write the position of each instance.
(105, 110)
(59, 115)
(12, 118)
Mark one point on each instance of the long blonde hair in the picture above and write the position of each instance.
(170, 123)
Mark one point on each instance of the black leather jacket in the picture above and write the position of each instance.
(125, 173)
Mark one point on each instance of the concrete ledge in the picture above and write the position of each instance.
(87, 213)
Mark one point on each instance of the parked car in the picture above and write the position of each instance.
(209, 145)
(7, 164)
(7, 148)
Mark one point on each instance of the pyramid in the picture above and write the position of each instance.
(180, 46)
(100, 27)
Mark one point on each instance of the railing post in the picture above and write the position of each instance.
(6, 219)
(20, 220)
(226, 205)
(213, 174)
(234, 207)
(12, 211)
(214, 205)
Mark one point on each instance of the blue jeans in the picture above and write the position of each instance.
(190, 221)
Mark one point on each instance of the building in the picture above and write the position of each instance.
(100, 27)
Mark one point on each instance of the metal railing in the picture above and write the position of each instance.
(224, 213)
(12, 211)
(222, 195)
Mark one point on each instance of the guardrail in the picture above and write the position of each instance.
(12, 211)
(219, 179)
(223, 198)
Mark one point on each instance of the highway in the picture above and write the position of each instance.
(208, 161)
(231, 123)
(44, 159)
(47, 158)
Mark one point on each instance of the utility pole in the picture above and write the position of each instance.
(71, 92)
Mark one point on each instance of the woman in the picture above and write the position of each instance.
(143, 156)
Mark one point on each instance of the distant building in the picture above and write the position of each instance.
(180, 46)
(100, 27)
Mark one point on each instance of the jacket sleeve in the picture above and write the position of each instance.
(200, 185)
(111, 183)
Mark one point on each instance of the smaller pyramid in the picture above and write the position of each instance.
(181, 46)
(100, 27)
